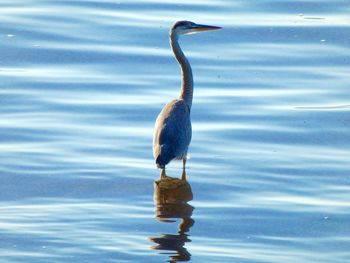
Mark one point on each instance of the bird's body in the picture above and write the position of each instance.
(173, 131)
(173, 137)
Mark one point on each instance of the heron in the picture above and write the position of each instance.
(173, 132)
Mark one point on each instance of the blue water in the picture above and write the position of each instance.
(81, 85)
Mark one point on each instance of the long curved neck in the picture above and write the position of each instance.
(186, 92)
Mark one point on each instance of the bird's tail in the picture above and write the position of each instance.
(166, 154)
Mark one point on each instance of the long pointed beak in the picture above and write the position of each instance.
(200, 28)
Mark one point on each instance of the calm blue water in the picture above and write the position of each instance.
(81, 85)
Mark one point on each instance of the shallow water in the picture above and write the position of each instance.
(81, 85)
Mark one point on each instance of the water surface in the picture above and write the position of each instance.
(81, 85)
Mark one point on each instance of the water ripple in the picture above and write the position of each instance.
(81, 84)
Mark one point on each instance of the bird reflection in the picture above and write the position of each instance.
(170, 200)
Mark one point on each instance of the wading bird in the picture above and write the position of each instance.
(173, 130)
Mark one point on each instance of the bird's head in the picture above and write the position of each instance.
(188, 27)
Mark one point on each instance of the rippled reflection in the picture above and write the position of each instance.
(78, 98)
(170, 200)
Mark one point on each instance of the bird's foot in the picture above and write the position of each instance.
(163, 175)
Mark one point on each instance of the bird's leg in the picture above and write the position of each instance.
(183, 176)
(163, 174)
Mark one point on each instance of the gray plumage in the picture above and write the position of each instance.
(172, 134)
